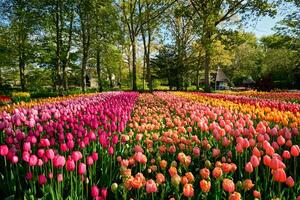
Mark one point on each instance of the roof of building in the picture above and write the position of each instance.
(221, 77)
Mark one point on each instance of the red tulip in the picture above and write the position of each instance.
(279, 175)
(290, 182)
(286, 154)
(256, 194)
(267, 160)
(295, 150)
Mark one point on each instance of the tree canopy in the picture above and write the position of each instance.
(63, 45)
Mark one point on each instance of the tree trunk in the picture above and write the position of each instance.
(120, 76)
(58, 46)
(206, 43)
(85, 28)
(198, 71)
(99, 71)
(207, 69)
(198, 79)
(149, 75)
(83, 71)
(145, 56)
(129, 69)
(133, 46)
(22, 71)
(67, 59)
(109, 77)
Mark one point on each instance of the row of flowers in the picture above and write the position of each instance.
(63, 149)
(4, 100)
(9, 106)
(263, 103)
(271, 114)
(282, 96)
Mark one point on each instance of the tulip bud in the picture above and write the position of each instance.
(114, 187)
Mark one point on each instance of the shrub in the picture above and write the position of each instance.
(20, 96)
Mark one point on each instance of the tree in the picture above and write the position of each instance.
(132, 17)
(182, 32)
(105, 33)
(22, 17)
(164, 65)
(212, 13)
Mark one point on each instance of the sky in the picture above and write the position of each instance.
(263, 26)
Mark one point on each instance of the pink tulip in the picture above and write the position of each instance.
(76, 155)
(104, 193)
(59, 177)
(95, 191)
(29, 176)
(151, 186)
(89, 160)
(25, 156)
(42, 179)
(33, 160)
(70, 165)
(249, 167)
(50, 154)
(26, 146)
(59, 161)
(3, 150)
(110, 150)
(295, 150)
(95, 156)
(254, 161)
(81, 168)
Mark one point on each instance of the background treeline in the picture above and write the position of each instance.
(68, 46)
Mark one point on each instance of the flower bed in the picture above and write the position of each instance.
(163, 145)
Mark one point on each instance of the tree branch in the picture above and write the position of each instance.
(230, 12)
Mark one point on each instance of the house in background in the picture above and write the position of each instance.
(222, 82)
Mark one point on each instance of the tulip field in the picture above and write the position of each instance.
(161, 145)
